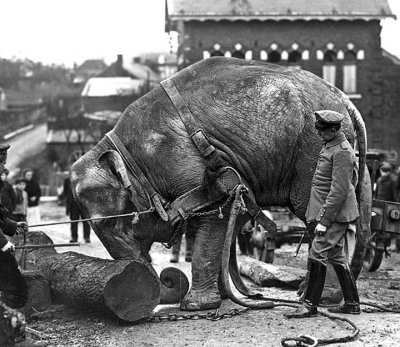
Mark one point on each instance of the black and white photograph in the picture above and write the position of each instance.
(199, 173)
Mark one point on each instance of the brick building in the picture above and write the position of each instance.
(336, 40)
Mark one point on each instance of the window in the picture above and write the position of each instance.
(294, 57)
(329, 73)
(274, 57)
(329, 68)
(206, 54)
(350, 72)
(238, 54)
(350, 79)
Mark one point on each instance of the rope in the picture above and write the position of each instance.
(132, 214)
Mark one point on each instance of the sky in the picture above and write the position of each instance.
(71, 31)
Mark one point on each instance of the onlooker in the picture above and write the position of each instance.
(244, 238)
(12, 285)
(385, 185)
(386, 189)
(7, 194)
(34, 194)
(21, 208)
(176, 248)
(73, 211)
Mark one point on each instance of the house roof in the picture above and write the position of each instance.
(188, 10)
(392, 57)
(91, 65)
(107, 86)
(132, 70)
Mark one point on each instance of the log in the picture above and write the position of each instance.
(12, 324)
(128, 289)
(39, 295)
(268, 275)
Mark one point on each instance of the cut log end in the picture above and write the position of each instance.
(134, 293)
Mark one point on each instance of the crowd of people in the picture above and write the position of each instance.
(22, 198)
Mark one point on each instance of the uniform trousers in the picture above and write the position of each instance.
(330, 246)
(12, 285)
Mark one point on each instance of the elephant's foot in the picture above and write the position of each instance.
(197, 300)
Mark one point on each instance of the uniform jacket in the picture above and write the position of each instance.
(7, 196)
(7, 226)
(333, 197)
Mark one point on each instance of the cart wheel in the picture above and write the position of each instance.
(267, 255)
(373, 259)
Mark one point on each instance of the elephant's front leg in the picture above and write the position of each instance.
(206, 264)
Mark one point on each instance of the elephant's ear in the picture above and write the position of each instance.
(114, 162)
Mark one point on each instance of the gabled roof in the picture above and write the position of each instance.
(188, 10)
(107, 86)
(91, 65)
(130, 69)
(392, 57)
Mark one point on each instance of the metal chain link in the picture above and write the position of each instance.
(213, 316)
(217, 210)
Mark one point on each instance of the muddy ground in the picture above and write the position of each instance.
(67, 326)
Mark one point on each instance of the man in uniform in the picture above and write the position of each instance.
(12, 285)
(333, 208)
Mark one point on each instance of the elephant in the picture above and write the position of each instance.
(258, 117)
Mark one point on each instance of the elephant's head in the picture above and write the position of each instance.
(103, 187)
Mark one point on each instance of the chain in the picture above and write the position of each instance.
(217, 210)
(213, 316)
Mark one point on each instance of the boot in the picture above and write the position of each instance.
(176, 248)
(189, 248)
(312, 293)
(350, 294)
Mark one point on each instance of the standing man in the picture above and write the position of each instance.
(74, 212)
(12, 285)
(333, 207)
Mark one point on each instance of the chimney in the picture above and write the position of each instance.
(119, 65)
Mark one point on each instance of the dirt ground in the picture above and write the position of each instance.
(68, 326)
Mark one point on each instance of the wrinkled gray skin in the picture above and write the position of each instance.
(264, 113)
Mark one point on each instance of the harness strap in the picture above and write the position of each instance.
(154, 198)
(197, 135)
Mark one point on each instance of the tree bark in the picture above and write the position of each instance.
(129, 289)
(267, 275)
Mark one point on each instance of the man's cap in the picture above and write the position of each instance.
(4, 148)
(385, 166)
(19, 180)
(326, 118)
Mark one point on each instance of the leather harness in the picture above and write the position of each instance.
(197, 198)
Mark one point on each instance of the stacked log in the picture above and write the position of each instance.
(268, 275)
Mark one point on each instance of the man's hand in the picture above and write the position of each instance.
(320, 229)
(9, 247)
(22, 227)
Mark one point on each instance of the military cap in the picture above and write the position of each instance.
(326, 118)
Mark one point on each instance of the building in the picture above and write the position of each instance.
(336, 40)
(77, 126)
(89, 68)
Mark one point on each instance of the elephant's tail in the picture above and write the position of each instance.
(361, 133)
